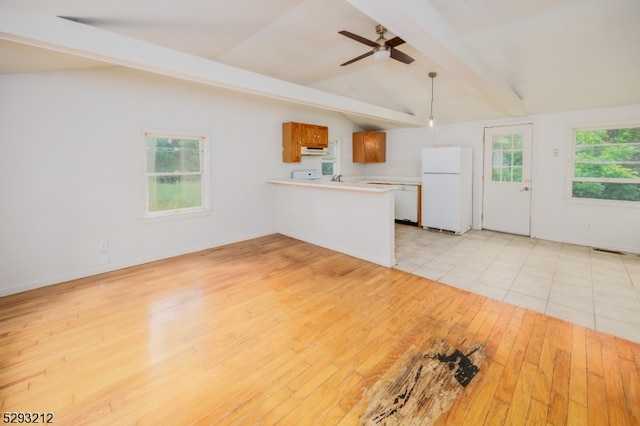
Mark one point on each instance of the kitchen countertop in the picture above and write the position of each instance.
(389, 182)
(360, 185)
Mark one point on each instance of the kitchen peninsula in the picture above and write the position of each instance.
(350, 217)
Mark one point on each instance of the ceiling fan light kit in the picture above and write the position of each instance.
(382, 48)
(381, 53)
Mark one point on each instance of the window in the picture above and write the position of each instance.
(175, 174)
(506, 155)
(330, 163)
(607, 164)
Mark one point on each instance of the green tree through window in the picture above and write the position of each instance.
(607, 164)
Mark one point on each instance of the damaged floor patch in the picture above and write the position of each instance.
(424, 387)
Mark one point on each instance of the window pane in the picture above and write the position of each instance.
(327, 169)
(495, 174)
(517, 142)
(168, 155)
(606, 190)
(517, 174)
(517, 158)
(507, 159)
(496, 159)
(620, 171)
(174, 192)
(506, 174)
(608, 136)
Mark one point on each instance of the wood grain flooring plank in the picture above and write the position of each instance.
(613, 384)
(521, 399)
(597, 409)
(277, 330)
(559, 402)
(594, 353)
(578, 378)
(631, 385)
(483, 395)
(544, 376)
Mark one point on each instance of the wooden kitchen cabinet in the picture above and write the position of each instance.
(315, 136)
(369, 147)
(296, 135)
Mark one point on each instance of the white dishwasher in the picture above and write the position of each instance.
(406, 203)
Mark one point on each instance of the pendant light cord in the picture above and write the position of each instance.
(432, 97)
(432, 75)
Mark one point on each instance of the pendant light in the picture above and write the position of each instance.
(432, 75)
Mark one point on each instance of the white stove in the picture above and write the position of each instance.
(307, 174)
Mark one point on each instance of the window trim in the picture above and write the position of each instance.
(572, 164)
(183, 213)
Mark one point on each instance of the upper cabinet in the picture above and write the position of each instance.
(297, 135)
(315, 136)
(369, 147)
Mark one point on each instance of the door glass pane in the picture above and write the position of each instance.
(506, 174)
(495, 174)
(517, 174)
(507, 143)
(497, 158)
(506, 158)
(517, 142)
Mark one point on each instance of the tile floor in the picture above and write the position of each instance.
(596, 289)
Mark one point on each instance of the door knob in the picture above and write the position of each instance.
(526, 188)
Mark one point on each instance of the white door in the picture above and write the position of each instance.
(506, 203)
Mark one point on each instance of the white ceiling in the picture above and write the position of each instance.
(554, 55)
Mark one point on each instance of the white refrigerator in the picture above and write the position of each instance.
(447, 189)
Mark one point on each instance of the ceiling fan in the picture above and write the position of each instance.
(382, 48)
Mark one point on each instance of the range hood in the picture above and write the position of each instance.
(312, 150)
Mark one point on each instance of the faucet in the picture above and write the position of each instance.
(336, 178)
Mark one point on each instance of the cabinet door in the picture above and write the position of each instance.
(369, 147)
(358, 147)
(375, 147)
(315, 136)
(292, 136)
(323, 136)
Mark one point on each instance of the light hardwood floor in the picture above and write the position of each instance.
(277, 331)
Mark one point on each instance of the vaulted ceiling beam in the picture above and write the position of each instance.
(421, 26)
(62, 35)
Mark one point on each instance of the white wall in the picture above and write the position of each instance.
(555, 216)
(72, 169)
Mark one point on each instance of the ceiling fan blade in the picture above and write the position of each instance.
(402, 57)
(358, 58)
(358, 38)
(396, 41)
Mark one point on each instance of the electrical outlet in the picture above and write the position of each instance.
(104, 246)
